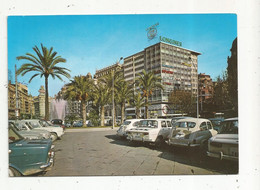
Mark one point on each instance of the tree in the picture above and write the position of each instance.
(221, 98)
(181, 100)
(101, 97)
(148, 83)
(79, 89)
(111, 80)
(232, 76)
(43, 64)
(137, 101)
(123, 95)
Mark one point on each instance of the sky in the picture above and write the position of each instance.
(91, 42)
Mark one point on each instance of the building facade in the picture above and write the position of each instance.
(25, 101)
(176, 66)
(206, 88)
(39, 103)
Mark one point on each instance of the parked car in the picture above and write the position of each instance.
(191, 132)
(78, 124)
(126, 126)
(25, 134)
(174, 119)
(225, 144)
(216, 122)
(56, 132)
(151, 130)
(27, 157)
(58, 122)
(26, 128)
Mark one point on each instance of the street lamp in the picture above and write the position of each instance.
(113, 102)
(197, 88)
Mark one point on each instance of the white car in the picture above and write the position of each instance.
(151, 130)
(191, 132)
(24, 127)
(56, 132)
(126, 126)
(225, 144)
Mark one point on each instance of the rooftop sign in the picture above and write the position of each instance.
(168, 40)
(152, 31)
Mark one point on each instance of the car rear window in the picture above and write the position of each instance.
(148, 123)
(229, 127)
(185, 124)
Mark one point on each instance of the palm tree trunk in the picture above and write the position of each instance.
(83, 104)
(122, 112)
(137, 113)
(146, 107)
(102, 115)
(46, 99)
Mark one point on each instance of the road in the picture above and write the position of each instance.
(99, 152)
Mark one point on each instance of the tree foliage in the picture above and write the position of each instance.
(182, 101)
(43, 64)
(148, 82)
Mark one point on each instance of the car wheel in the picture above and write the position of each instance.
(13, 172)
(54, 136)
(159, 142)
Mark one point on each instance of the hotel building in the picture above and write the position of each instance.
(176, 66)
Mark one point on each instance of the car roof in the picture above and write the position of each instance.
(156, 119)
(132, 119)
(232, 119)
(192, 120)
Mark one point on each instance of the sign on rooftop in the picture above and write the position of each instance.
(170, 41)
(152, 31)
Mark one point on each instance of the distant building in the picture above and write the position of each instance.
(206, 87)
(25, 103)
(176, 66)
(39, 103)
(105, 71)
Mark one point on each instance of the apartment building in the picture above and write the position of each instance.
(25, 101)
(206, 88)
(176, 66)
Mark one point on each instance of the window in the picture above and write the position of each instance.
(169, 124)
(136, 123)
(163, 124)
(203, 126)
(229, 127)
(209, 125)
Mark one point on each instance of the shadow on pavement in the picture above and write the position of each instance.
(184, 155)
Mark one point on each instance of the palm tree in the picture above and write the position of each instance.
(111, 80)
(43, 64)
(101, 97)
(123, 95)
(148, 82)
(79, 89)
(137, 101)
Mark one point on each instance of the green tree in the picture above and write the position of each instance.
(123, 95)
(111, 80)
(137, 101)
(232, 77)
(182, 101)
(148, 83)
(43, 64)
(101, 97)
(79, 89)
(221, 98)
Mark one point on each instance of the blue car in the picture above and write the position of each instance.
(27, 157)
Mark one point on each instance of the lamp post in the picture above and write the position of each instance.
(197, 94)
(113, 102)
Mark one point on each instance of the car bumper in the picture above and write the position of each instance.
(49, 164)
(140, 139)
(222, 156)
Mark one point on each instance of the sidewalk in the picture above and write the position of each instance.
(91, 129)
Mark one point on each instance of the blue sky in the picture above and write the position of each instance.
(90, 42)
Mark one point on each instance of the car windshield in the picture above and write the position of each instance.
(126, 122)
(28, 125)
(148, 123)
(229, 127)
(13, 135)
(34, 124)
